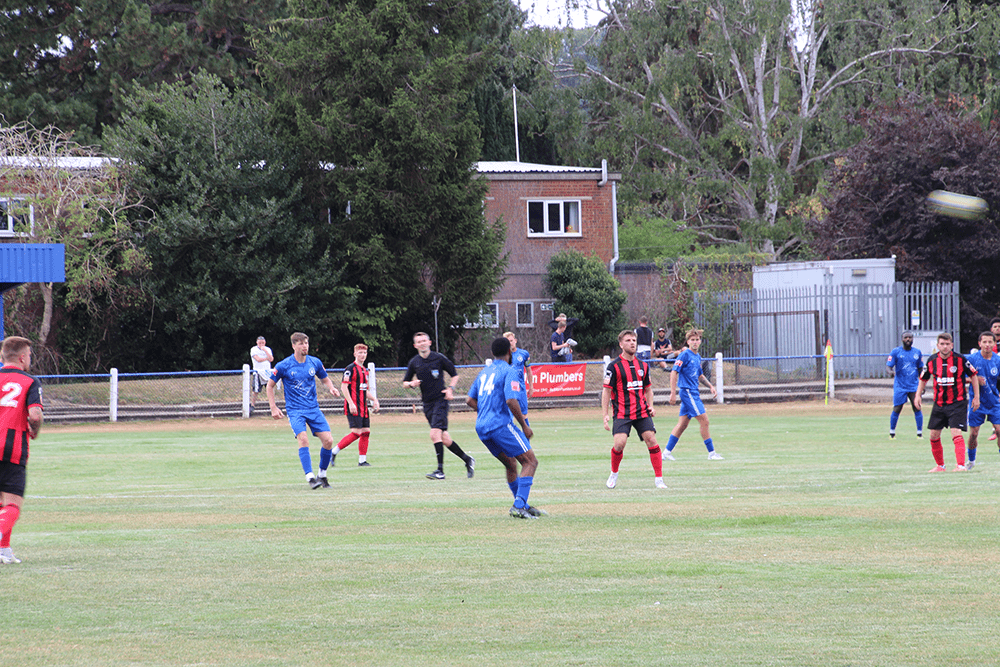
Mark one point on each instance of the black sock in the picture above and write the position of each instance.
(457, 451)
(439, 450)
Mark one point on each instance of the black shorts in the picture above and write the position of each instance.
(437, 414)
(954, 415)
(13, 478)
(642, 425)
(357, 421)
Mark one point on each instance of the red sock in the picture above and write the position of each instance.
(656, 458)
(959, 450)
(616, 459)
(347, 439)
(8, 517)
(937, 451)
(363, 445)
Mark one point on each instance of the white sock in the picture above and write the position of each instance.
(362, 458)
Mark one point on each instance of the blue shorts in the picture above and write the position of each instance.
(314, 418)
(509, 440)
(978, 417)
(691, 405)
(901, 396)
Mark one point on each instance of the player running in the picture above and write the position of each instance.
(684, 381)
(906, 364)
(495, 396)
(987, 365)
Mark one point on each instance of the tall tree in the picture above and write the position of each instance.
(62, 192)
(723, 112)
(583, 288)
(380, 90)
(237, 247)
(878, 201)
(67, 64)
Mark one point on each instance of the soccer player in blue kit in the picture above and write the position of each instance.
(495, 396)
(684, 378)
(987, 362)
(298, 372)
(520, 359)
(906, 364)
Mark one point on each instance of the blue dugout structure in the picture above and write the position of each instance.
(29, 263)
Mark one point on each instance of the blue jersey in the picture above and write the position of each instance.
(492, 388)
(989, 397)
(300, 381)
(688, 367)
(908, 364)
(521, 361)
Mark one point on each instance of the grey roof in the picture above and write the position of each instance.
(511, 167)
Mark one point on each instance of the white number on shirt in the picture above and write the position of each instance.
(11, 392)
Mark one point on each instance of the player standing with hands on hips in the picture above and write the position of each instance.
(20, 421)
(495, 395)
(426, 370)
(299, 373)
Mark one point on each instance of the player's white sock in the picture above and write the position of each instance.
(362, 458)
(322, 474)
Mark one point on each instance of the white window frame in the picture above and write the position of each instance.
(517, 314)
(489, 317)
(552, 226)
(7, 220)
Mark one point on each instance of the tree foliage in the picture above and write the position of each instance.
(66, 193)
(380, 90)
(722, 113)
(583, 288)
(237, 248)
(67, 64)
(878, 201)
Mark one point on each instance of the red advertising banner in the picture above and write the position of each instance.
(558, 379)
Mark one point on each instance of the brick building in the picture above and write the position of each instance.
(547, 209)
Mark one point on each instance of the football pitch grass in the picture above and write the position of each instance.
(817, 541)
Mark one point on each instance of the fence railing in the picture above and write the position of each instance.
(132, 396)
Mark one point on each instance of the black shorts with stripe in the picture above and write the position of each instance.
(953, 415)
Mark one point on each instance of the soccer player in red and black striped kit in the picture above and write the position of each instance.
(20, 420)
(357, 391)
(628, 390)
(949, 370)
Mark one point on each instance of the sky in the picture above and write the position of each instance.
(552, 13)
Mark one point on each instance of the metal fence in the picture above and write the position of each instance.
(784, 329)
(139, 396)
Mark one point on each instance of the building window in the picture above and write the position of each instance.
(526, 314)
(488, 317)
(554, 218)
(17, 218)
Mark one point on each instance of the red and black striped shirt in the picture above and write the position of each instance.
(356, 379)
(18, 392)
(627, 381)
(949, 377)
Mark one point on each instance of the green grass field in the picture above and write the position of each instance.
(817, 541)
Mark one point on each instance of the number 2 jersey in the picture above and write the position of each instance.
(18, 393)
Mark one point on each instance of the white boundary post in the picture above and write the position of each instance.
(246, 391)
(371, 380)
(113, 405)
(719, 382)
